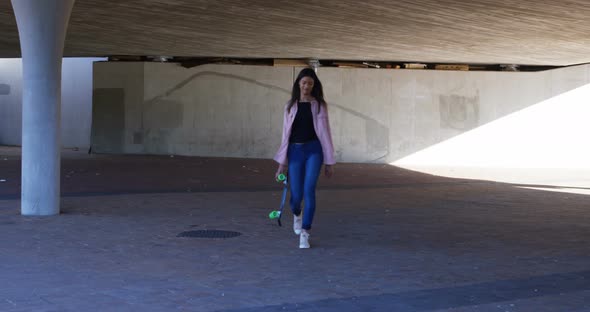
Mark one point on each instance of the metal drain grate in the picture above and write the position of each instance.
(209, 234)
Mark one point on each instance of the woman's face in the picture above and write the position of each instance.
(306, 85)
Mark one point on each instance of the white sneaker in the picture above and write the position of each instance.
(304, 240)
(297, 222)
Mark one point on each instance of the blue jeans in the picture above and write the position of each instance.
(305, 162)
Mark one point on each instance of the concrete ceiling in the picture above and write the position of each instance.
(528, 32)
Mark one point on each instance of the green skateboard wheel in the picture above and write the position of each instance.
(274, 214)
(281, 177)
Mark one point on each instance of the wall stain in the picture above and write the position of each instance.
(4, 89)
(459, 112)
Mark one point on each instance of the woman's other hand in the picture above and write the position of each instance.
(329, 170)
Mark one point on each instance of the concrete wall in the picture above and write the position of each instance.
(11, 90)
(551, 133)
(232, 111)
(235, 111)
(76, 101)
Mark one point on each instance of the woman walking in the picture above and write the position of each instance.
(306, 144)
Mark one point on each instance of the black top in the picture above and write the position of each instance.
(302, 130)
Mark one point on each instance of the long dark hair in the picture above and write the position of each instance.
(317, 92)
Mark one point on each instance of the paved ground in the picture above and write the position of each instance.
(384, 239)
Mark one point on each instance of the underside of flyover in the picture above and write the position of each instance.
(535, 32)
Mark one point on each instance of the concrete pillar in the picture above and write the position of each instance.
(42, 29)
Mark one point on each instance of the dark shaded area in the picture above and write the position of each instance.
(108, 119)
(102, 174)
(446, 298)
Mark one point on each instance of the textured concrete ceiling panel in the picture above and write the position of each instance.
(535, 32)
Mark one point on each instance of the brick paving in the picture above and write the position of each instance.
(384, 239)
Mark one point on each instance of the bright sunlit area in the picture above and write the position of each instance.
(544, 146)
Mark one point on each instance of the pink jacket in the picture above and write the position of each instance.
(321, 124)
